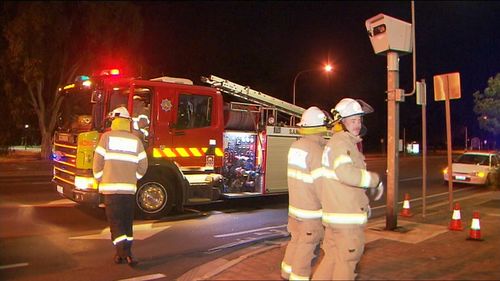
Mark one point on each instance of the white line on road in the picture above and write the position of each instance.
(145, 277)
(57, 203)
(249, 231)
(14, 265)
(431, 196)
(141, 232)
(411, 179)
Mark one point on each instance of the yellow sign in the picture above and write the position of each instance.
(447, 86)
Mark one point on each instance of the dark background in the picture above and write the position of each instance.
(264, 44)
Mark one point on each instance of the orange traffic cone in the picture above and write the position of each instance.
(456, 220)
(475, 228)
(406, 207)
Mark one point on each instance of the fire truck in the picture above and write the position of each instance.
(204, 143)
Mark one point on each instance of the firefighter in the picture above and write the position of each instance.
(140, 117)
(345, 202)
(304, 210)
(119, 161)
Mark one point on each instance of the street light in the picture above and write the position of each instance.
(327, 68)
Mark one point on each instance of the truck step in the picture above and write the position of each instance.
(199, 200)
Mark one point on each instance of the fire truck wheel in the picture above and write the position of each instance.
(154, 198)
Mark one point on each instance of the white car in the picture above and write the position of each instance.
(475, 167)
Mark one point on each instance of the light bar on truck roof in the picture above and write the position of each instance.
(108, 72)
(82, 78)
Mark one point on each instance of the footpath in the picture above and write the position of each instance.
(418, 249)
(24, 162)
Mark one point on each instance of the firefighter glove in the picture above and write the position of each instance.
(378, 191)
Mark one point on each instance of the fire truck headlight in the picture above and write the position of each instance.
(85, 183)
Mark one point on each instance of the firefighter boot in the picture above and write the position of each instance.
(117, 259)
(131, 261)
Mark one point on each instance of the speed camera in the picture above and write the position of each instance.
(389, 34)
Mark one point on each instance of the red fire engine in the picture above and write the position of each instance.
(204, 143)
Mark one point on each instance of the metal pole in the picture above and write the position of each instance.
(448, 137)
(392, 139)
(292, 120)
(293, 91)
(404, 142)
(465, 138)
(424, 154)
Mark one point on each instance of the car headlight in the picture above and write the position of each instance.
(445, 171)
(85, 183)
(480, 174)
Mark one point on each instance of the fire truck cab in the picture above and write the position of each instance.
(204, 143)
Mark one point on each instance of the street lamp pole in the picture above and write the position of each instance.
(295, 81)
(327, 68)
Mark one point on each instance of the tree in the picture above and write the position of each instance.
(48, 43)
(487, 106)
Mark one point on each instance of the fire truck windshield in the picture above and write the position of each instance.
(76, 111)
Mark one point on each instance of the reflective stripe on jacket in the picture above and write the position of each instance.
(119, 161)
(345, 180)
(304, 172)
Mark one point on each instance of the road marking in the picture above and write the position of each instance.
(56, 203)
(141, 232)
(273, 233)
(14, 265)
(434, 195)
(62, 202)
(249, 231)
(411, 179)
(145, 277)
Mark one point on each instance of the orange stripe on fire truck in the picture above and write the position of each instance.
(183, 152)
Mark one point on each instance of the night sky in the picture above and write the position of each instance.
(265, 44)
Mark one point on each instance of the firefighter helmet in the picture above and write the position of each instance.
(313, 117)
(120, 112)
(350, 107)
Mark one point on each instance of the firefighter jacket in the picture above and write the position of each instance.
(119, 160)
(140, 119)
(345, 180)
(304, 171)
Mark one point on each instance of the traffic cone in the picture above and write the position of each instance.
(475, 228)
(456, 220)
(406, 207)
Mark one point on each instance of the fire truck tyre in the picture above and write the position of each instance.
(154, 198)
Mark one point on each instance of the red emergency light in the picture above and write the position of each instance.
(108, 72)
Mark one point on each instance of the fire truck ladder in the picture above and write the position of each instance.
(254, 96)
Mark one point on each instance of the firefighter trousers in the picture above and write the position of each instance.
(120, 215)
(303, 247)
(343, 248)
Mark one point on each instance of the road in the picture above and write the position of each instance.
(45, 237)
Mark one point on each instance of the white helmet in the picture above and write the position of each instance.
(120, 112)
(350, 107)
(313, 117)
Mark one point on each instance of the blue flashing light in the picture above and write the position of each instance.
(82, 78)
